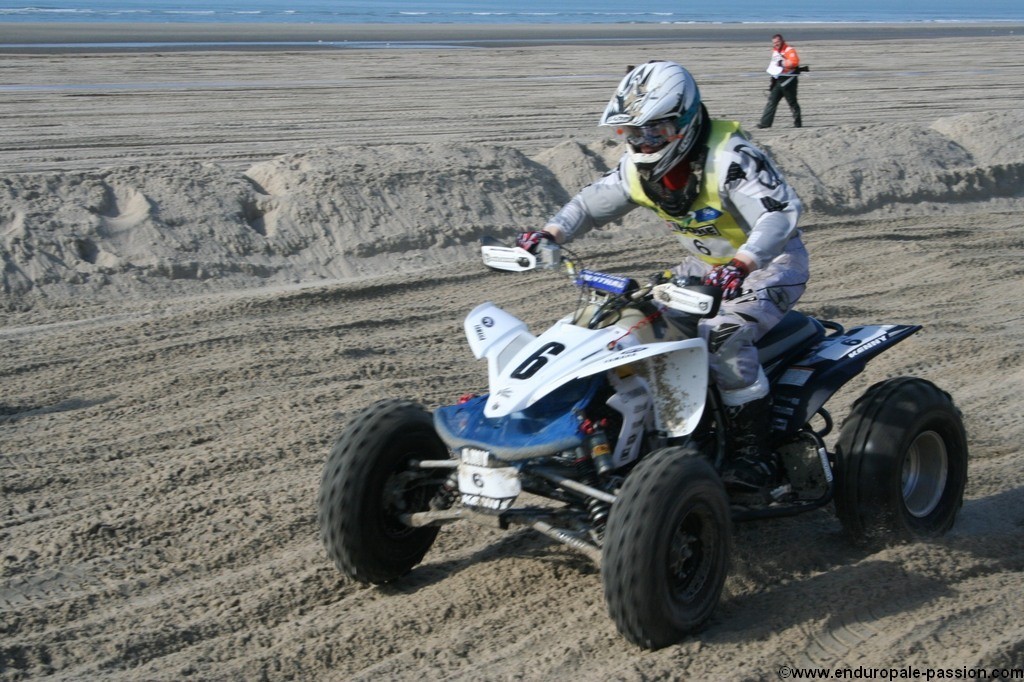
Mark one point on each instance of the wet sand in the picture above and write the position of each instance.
(15, 36)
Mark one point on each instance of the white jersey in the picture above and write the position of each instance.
(750, 188)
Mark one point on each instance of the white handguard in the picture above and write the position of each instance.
(518, 259)
(684, 300)
(511, 258)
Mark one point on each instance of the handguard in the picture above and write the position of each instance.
(518, 259)
(695, 300)
(511, 258)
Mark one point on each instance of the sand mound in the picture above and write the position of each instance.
(321, 214)
(326, 214)
(858, 169)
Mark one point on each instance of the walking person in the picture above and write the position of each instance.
(784, 68)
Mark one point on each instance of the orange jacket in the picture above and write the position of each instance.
(790, 60)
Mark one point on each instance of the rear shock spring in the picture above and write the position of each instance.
(587, 473)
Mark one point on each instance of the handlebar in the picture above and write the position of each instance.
(689, 296)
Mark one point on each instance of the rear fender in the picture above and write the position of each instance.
(806, 384)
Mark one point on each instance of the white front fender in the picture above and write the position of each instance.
(680, 384)
(677, 372)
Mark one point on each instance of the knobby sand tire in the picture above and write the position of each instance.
(361, 497)
(901, 463)
(666, 550)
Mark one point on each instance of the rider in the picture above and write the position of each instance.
(733, 213)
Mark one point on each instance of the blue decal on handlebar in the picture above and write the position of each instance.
(613, 284)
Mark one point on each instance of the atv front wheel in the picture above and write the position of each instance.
(666, 548)
(902, 463)
(367, 485)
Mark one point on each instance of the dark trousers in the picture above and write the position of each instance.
(783, 87)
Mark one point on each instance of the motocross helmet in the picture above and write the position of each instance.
(657, 111)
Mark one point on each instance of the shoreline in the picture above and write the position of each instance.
(33, 37)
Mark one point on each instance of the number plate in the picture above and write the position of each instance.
(488, 487)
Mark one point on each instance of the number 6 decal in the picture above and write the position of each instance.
(699, 245)
(533, 363)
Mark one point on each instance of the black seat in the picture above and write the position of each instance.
(787, 339)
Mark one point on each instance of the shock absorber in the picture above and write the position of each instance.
(598, 445)
(594, 460)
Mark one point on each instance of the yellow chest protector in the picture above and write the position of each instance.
(707, 231)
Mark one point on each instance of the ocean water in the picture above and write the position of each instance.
(502, 12)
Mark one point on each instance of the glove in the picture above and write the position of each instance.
(729, 278)
(531, 240)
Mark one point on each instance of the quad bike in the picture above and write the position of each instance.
(609, 419)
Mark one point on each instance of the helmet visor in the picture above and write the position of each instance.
(650, 137)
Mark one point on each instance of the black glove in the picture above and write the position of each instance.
(531, 240)
(729, 278)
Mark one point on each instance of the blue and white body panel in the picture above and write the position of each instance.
(660, 385)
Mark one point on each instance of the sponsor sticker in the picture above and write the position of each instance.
(707, 214)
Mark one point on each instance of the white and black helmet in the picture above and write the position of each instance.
(657, 111)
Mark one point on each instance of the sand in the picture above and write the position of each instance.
(213, 258)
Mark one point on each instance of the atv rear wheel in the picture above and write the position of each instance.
(902, 463)
(666, 548)
(367, 484)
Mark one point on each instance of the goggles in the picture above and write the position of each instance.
(655, 135)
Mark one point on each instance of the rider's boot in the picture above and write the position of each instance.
(752, 465)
